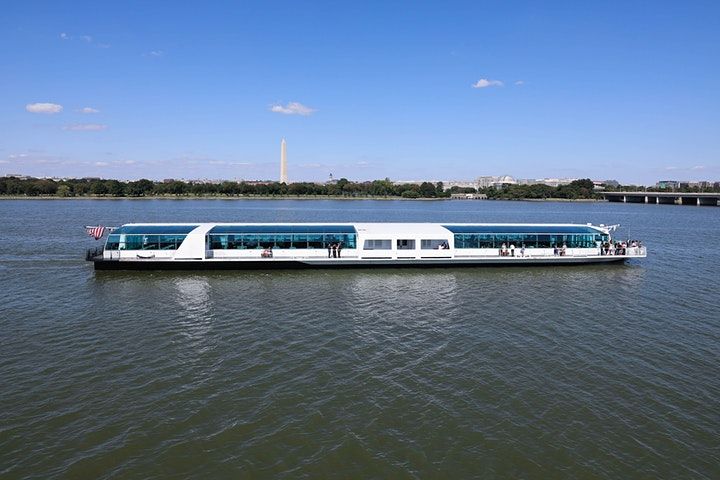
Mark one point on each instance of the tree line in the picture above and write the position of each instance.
(91, 187)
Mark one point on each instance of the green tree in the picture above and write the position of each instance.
(64, 191)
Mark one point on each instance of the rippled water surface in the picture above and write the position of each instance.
(546, 372)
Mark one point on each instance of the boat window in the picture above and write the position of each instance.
(523, 229)
(113, 242)
(377, 244)
(280, 240)
(433, 244)
(144, 242)
(406, 244)
(155, 229)
(528, 240)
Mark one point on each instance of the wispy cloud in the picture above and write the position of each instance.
(89, 110)
(83, 38)
(85, 127)
(519, 82)
(698, 167)
(293, 108)
(154, 54)
(484, 83)
(47, 108)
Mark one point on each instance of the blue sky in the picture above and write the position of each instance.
(407, 90)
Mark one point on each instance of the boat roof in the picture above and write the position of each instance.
(368, 228)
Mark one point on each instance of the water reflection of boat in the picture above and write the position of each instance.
(341, 245)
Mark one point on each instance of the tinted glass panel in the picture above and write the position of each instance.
(529, 240)
(291, 229)
(113, 242)
(377, 245)
(433, 244)
(155, 229)
(509, 229)
(147, 242)
(280, 240)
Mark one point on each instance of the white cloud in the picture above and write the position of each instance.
(85, 127)
(89, 110)
(48, 108)
(520, 82)
(155, 53)
(101, 164)
(293, 108)
(4, 161)
(484, 83)
(698, 167)
(89, 39)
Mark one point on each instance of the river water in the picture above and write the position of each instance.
(546, 372)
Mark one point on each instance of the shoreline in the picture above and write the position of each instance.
(292, 197)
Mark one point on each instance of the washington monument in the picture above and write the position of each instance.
(283, 162)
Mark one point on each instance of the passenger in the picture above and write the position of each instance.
(556, 252)
(563, 250)
(339, 249)
(512, 249)
(503, 250)
(522, 250)
(334, 250)
(329, 250)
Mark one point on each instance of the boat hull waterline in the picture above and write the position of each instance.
(290, 264)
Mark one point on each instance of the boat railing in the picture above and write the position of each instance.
(94, 252)
(638, 251)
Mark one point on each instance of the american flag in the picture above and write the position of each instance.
(95, 232)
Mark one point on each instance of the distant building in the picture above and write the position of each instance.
(550, 182)
(497, 182)
(19, 176)
(468, 196)
(668, 184)
(448, 184)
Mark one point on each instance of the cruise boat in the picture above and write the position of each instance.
(345, 245)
